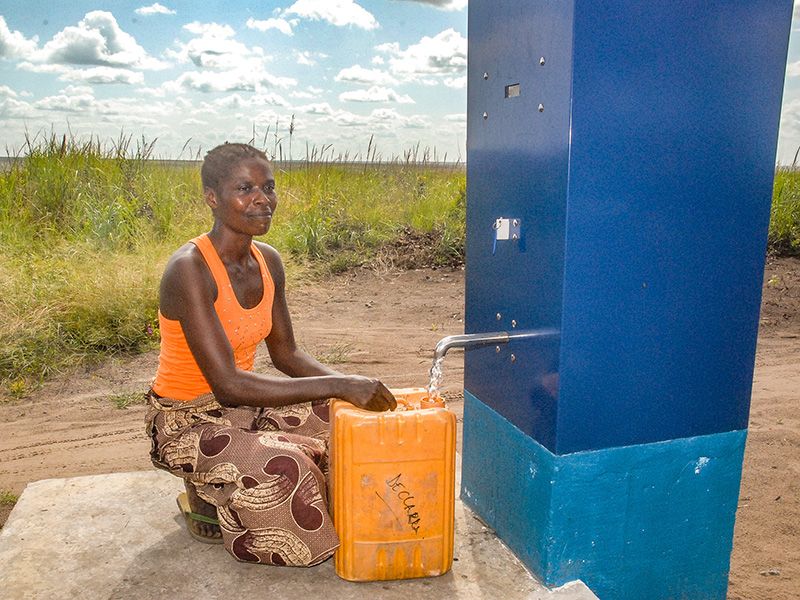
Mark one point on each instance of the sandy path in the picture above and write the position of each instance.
(386, 325)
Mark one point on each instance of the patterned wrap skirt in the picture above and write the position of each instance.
(264, 469)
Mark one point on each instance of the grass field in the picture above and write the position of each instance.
(86, 228)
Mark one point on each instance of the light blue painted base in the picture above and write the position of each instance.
(651, 521)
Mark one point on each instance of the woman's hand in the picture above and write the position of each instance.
(366, 393)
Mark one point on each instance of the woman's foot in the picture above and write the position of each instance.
(198, 511)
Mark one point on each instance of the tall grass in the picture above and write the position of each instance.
(86, 228)
(784, 226)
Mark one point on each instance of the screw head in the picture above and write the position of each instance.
(485, 75)
(541, 60)
(498, 316)
(497, 349)
(485, 116)
(541, 109)
(513, 323)
(513, 358)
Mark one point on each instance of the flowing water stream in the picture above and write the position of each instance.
(435, 381)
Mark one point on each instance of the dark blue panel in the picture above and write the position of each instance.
(675, 110)
(517, 167)
(650, 521)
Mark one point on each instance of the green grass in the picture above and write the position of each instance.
(7, 498)
(784, 226)
(86, 228)
(122, 401)
(334, 354)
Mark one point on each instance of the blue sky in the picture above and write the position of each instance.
(212, 71)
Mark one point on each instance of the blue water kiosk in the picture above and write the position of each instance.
(620, 167)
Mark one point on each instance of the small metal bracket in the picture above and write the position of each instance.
(507, 229)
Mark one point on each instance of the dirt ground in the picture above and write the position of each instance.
(385, 324)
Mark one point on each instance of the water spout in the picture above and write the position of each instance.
(469, 340)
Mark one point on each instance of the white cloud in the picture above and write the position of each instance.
(458, 83)
(380, 119)
(96, 40)
(280, 24)
(793, 69)
(443, 4)
(302, 95)
(225, 64)
(790, 123)
(78, 89)
(71, 99)
(390, 118)
(375, 94)
(210, 52)
(456, 117)
(377, 60)
(98, 75)
(43, 68)
(130, 120)
(336, 12)
(11, 108)
(80, 100)
(193, 121)
(215, 48)
(240, 80)
(236, 101)
(7, 92)
(154, 9)
(308, 58)
(212, 30)
(796, 16)
(389, 47)
(155, 92)
(358, 74)
(319, 108)
(348, 119)
(102, 75)
(13, 44)
(444, 54)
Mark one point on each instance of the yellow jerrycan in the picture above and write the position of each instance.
(393, 488)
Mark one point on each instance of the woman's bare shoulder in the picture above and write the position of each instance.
(185, 261)
(186, 278)
(274, 262)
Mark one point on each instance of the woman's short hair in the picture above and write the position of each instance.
(220, 160)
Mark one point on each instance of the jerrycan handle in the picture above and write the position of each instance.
(415, 398)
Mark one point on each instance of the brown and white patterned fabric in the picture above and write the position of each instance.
(263, 468)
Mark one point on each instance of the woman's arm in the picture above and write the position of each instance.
(188, 293)
(283, 350)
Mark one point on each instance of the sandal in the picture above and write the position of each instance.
(192, 518)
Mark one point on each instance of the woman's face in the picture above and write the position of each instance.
(245, 198)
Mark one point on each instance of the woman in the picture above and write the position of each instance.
(252, 448)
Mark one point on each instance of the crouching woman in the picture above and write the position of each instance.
(251, 447)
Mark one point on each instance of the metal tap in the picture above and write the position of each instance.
(469, 340)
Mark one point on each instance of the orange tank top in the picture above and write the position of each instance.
(178, 376)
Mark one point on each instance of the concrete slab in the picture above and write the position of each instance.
(120, 536)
